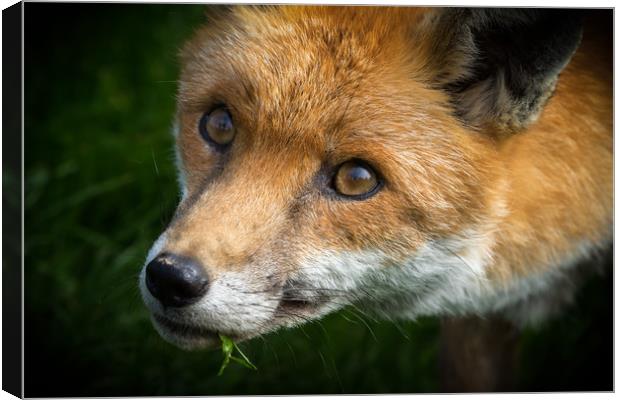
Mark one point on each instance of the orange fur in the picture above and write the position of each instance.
(560, 170)
(312, 87)
(292, 127)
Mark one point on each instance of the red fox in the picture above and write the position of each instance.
(410, 161)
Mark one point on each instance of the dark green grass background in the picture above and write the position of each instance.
(100, 186)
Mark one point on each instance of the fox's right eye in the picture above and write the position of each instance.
(356, 180)
(217, 128)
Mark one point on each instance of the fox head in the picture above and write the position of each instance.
(336, 156)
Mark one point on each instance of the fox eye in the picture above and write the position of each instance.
(217, 127)
(355, 179)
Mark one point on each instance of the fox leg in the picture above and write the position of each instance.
(477, 355)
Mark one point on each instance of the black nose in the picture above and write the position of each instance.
(175, 280)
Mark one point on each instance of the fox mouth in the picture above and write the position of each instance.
(189, 333)
(291, 309)
(193, 327)
(298, 299)
(294, 305)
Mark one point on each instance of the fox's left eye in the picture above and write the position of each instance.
(217, 127)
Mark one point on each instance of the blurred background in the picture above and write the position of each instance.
(100, 186)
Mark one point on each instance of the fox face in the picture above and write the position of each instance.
(338, 156)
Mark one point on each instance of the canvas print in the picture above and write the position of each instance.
(260, 199)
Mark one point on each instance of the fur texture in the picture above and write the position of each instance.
(469, 221)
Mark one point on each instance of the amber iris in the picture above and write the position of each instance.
(217, 127)
(355, 179)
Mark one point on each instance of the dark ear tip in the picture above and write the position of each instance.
(511, 53)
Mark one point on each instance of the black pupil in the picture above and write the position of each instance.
(222, 121)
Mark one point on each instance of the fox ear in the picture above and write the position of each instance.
(500, 65)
